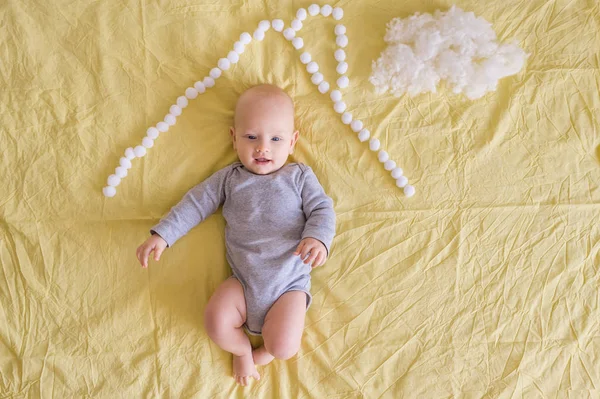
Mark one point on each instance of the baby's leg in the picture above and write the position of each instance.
(223, 319)
(284, 323)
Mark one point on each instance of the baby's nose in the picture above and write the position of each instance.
(262, 148)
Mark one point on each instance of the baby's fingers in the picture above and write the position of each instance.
(320, 260)
(137, 255)
(145, 254)
(158, 252)
(297, 252)
(313, 255)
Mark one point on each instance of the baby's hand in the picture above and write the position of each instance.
(155, 243)
(316, 251)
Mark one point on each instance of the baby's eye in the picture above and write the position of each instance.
(251, 137)
(276, 139)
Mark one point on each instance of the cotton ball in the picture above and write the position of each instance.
(120, 171)
(374, 144)
(129, 154)
(312, 67)
(277, 25)
(326, 10)
(317, 78)
(296, 24)
(356, 125)
(340, 29)
(264, 25)
(175, 110)
(208, 81)
(233, 57)
(364, 135)
(289, 33)
(339, 107)
(109, 191)
(389, 164)
(323, 87)
(338, 13)
(343, 82)
(342, 68)
(139, 151)
(336, 95)
(409, 191)
(340, 55)
(191, 93)
(153, 132)
(215, 73)
(341, 40)
(314, 9)
(397, 172)
(298, 43)
(259, 35)
(245, 38)
(383, 156)
(114, 180)
(305, 58)
(301, 14)
(182, 102)
(200, 88)
(238, 47)
(124, 162)
(402, 181)
(347, 118)
(147, 142)
(162, 126)
(170, 119)
(224, 64)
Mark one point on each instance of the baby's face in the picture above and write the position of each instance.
(264, 135)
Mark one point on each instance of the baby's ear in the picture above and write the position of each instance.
(232, 133)
(295, 137)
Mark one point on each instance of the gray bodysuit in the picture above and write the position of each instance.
(267, 216)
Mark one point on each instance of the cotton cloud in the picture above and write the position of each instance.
(454, 46)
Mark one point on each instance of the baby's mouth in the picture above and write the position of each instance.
(262, 161)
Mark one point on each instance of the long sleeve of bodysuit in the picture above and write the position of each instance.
(318, 209)
(197, 204)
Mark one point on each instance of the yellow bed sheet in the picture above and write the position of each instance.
(485, 284)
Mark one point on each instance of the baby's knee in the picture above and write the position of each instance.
(216, 323)
(282, 348)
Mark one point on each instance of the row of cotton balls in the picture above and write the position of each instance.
(374, 144)
(233, 57)
(170, 119)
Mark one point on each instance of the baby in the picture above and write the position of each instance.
(280, 224)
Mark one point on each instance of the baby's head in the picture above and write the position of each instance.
(263, 133)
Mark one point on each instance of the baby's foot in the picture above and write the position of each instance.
(243, 369)
(261, 356)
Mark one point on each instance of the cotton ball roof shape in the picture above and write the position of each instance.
(455, 46)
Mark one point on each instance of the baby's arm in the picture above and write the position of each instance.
(320, 220)
(197, 204)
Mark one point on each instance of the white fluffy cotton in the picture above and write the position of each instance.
(296, 24)
(364, 135)
(305, 58)
(109, 191)
(182, 102)
(175, 110)
(323, 87)
(455, 46)
(277, 25)
(298, 43)
(317, 78)
(346, 118)
(153, 132)
(340, 55)
(125, 162)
